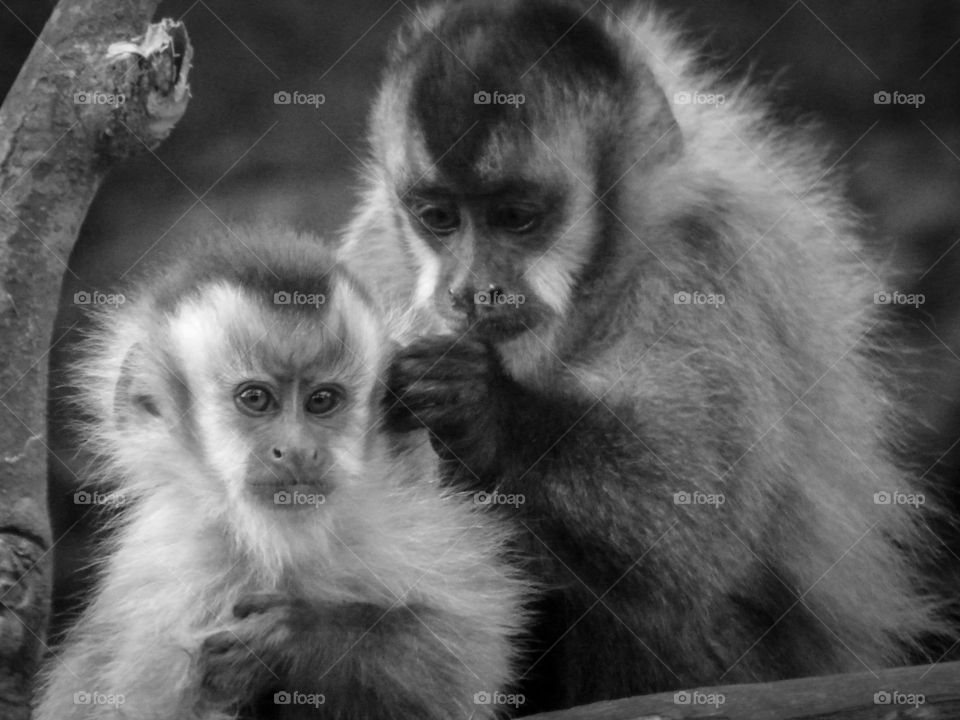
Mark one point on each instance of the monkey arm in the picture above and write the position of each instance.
(500, 432)
(598, 479)
(402, 662)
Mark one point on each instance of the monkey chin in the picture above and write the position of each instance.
(500, 329)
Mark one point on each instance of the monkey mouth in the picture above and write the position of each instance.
(297, 494)
(501, 327)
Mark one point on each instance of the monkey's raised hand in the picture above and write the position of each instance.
(455, 388)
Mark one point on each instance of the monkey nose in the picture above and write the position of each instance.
(302, 466)
(473, 301)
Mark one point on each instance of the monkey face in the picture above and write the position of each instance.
(483, 244)
(291, 423)
(492, 150)
(273, 399)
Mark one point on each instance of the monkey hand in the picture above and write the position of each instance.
(237, 663)
(454, 388)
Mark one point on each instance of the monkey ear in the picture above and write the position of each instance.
(143, 390)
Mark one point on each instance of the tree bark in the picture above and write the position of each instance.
(100, 84)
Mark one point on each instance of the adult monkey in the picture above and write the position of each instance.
(644, 309)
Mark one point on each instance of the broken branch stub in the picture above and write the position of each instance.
(137, 92)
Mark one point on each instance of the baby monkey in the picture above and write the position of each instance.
(279, 555)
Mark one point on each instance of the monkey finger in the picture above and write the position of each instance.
(258, 603)
(219, 643)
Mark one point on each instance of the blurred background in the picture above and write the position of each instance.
(237, 154)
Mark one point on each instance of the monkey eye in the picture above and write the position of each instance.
(324, 400)
(255, 399)
(439, 219)
(516, 218)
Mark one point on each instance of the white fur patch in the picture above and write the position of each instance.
(428, 269)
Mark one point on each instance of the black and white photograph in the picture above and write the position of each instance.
(479, 359)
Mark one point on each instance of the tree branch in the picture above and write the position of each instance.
(101, 84)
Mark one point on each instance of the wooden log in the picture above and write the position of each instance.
(928, 692)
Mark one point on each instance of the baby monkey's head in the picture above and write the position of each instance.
(244, 373)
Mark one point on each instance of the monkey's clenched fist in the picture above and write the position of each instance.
(456, 388)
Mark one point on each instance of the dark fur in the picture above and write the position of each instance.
(600, 414)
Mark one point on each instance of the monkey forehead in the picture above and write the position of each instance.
(265, 257)
(512, 162)
(491, 70)
(230, 330)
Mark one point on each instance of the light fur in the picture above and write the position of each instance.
(190, 544)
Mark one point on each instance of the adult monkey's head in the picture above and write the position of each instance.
(501, 137)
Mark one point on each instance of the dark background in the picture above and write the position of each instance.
(237, 155)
